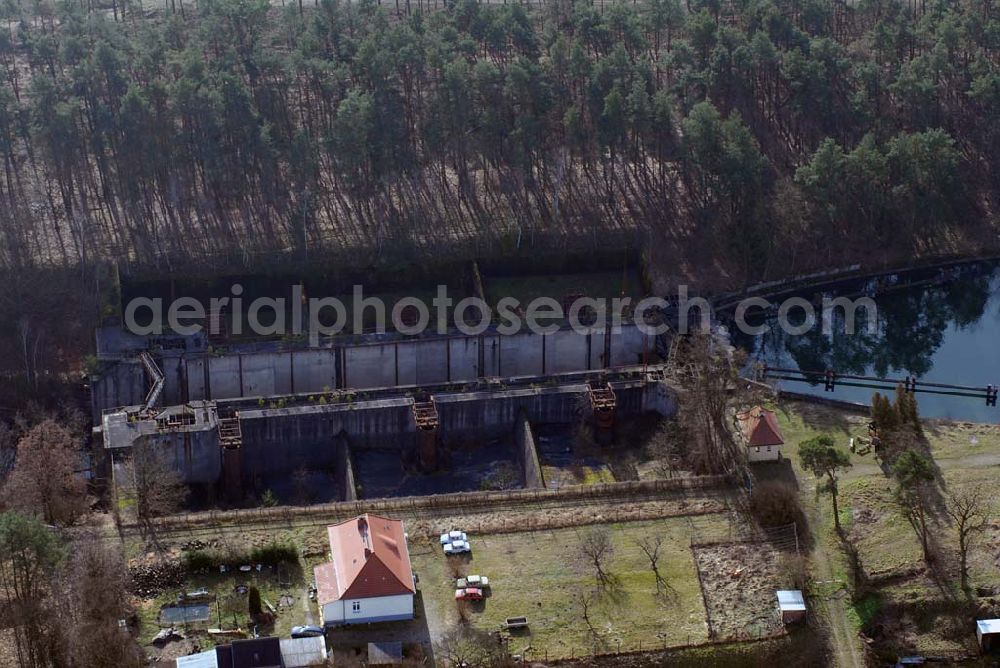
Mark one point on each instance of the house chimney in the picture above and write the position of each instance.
(368, 553)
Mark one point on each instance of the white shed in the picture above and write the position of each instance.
(761, 434)
(302, 652)
(792, 605)
(988, 633)
(200, 660)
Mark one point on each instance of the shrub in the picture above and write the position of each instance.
(270, 555)
(199, 560)
(776, 504)
(796, 571)
(274, 553)
(268, 500)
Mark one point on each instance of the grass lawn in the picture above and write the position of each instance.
(583, 474)
(542, 575)
(966, 454)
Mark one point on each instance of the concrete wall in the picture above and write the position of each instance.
(371, 365)
(223, 377)
(659, 398)
(628, 347)
(174, 385)
(463, 357)
(345, 469)
(195, 455)
(316, 435)
(527, 454)
(469, 413)
(269, 431)
(313, 370)
(122, 385)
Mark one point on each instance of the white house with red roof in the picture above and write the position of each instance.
(761, 434)
(369, 577)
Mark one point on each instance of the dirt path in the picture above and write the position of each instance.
(980, 460)
(307, 610)
(844, 641)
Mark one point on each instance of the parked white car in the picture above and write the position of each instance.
(477, 581)
(457, 547)
(453, 536)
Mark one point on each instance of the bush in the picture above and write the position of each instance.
(796, 571)
(199, 560)
(268, 500)
(274, 553)
(776, 504)
(270, 555)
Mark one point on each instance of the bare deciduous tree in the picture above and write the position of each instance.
(92, 601)
(968, 507)
(650, 546)
(467, 646)
(712, 391)
(586, 599)
(664, 448)
(44, 478)
(157, 485)
(597, 548)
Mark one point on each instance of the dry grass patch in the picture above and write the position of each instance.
(740, 581)
(542, 575)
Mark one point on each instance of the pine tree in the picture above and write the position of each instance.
(254, 605)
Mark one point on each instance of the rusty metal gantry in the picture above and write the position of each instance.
(231, 440)
(603, 402)
(230, 432)
(425, 416)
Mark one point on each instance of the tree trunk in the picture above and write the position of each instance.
(836, 509)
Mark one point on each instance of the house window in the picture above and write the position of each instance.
(769, 448)
(356, 606)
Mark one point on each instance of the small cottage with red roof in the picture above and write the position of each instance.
(369, 577)
(761, 434)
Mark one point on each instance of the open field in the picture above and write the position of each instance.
(543, 576)
(908, 608)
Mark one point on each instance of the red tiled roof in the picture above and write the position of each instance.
(370, 559)
(760, 427)
(326, 583)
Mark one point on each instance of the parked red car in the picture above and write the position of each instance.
(469, 594)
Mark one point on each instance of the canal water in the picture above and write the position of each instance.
(945, 329)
